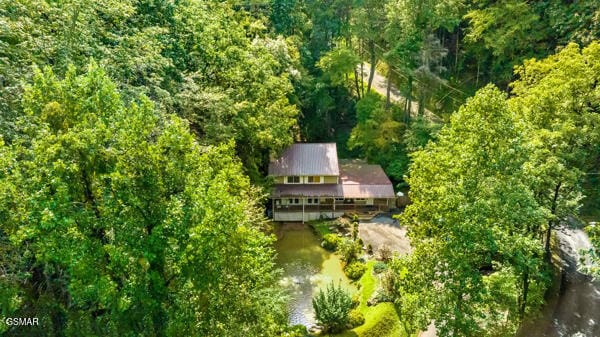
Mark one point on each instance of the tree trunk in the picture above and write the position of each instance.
(373, 63)
(477, 76)
(356, 83)
(349, 43)
(408, 99)
(552, 222)
(456, 52)
(525, 290)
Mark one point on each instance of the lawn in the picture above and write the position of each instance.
(322, 227)
(381, 320)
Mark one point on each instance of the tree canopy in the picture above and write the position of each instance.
(125, 224)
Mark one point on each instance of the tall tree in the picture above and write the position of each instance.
(558, 103)
(470, 217)
(125, 225)
(368, 22)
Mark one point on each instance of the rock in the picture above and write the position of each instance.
(315, 329)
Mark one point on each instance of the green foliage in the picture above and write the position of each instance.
(472, 208)
(593, 254)
(322, 227)
(557, 103)
(337, 64)
(191, 58)
(332, 307)
(114, 208)
(355, 232)
(355, 318)
(379, 267)
(349, 250)
(331, 242)
(378, 135)
(355, 270)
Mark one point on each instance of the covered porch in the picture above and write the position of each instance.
(295, 208)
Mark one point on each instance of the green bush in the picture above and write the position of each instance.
(355, 270)
(332, 307)
(349, 250)
(331, 242)
(379, 267)
(355, 318)
(356, 299)
(298, 330)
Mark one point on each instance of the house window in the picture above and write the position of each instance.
(359, 199)
(314, 179)
(295, 201)
(313, 201)
(293, 180)
(339, 199)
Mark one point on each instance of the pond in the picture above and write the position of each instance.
(306, 268)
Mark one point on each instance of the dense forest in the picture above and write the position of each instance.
(136, 135)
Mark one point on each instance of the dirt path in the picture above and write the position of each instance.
(380, 86)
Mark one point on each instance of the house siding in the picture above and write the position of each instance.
(331, 180)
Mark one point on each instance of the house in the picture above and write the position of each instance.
(310, 182)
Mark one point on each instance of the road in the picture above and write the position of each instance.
(379, 85)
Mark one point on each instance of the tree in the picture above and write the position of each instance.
(471, 215)
(196, 59)
(368, 21)
(378, 135)
(508, 28)
(332, 307)
(114, 209)
(558, 105)
(593, 254)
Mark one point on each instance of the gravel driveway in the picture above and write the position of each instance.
(384, 230)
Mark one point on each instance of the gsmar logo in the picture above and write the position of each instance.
(18, 321)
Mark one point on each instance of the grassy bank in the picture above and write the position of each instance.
(381, 320)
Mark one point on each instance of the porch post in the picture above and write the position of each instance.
(302, 209)
(333, 212)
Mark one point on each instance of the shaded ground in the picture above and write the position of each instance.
(379, 85)
(384, 230)
(576, 310)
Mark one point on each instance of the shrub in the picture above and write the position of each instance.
(388, 283)
(331, 242)
(355, 270)
(349, 250)
(354, 230)
(385, 253)
(370, 249)
(332, 308)
(379, 267)
(298, 330)
(355, 318)
(356, 299)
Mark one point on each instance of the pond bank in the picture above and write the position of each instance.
(307, 267)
